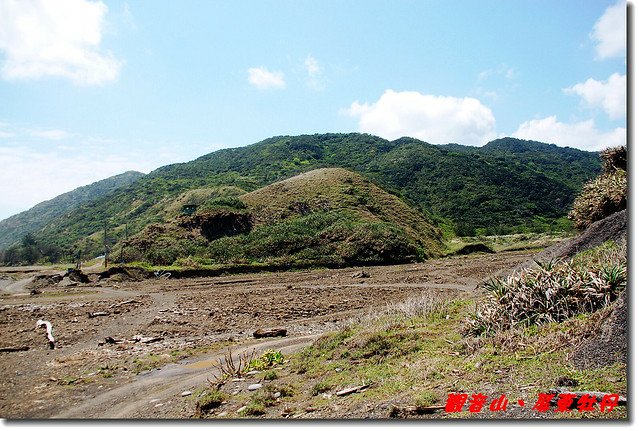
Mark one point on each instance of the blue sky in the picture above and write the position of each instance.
(89, 89)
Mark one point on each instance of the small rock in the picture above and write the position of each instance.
(255, 387)
(220, 414)
(159, 405)
(186, 393)
(238, 379)
(235, 393)
(241, 409)
(276, 395)
(252, 373)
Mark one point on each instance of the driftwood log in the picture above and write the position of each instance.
(46, 324)
(274, 332)
(351, 390)
(14, 348)
(578, 394)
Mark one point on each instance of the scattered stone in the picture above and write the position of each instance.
(252, 373)
(220, 414)
(255, 387)
(186, 393)
(241, 409)
(404, 412)
(277, 395)
(360, 274)
(566, 381)
(98, 314)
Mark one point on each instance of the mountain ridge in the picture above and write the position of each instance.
(13, 228)
(466, 189)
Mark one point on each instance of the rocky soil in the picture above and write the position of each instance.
(131, 349)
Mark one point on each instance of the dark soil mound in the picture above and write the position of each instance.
(475, 248)
(610, 342)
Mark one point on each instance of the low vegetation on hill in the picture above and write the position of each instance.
(507, 186)
(326, 217)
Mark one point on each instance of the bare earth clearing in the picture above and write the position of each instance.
(194, 321)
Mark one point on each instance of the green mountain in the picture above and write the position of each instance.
(14, 228)
(508, 184)
(328, 217)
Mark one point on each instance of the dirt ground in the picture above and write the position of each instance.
(165, 335)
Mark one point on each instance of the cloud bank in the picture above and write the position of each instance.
(262, 78)
(608, 95)
(583, 135)
(436, 119)
(55, 38)
(609, 32)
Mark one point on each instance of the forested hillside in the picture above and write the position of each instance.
(14, 228)
(505, 186)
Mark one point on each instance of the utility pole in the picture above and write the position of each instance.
(106, 251)
(126, 237)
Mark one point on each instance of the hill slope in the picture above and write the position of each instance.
(495, 188)
(15, 227)
(330, 217)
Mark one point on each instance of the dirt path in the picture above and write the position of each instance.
(145, 397)
(193, 320)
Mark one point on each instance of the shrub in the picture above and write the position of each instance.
(552, 293)
(604, 195)
(268, 359)
(601, 197)
(209, 400)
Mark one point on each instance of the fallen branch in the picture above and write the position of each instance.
(578, 394)
(47, 324)
(351, 390)
(146, 340)
(131, 301)
(14, 348)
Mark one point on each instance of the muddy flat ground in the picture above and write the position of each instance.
(186, 324)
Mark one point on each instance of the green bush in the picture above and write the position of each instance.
(553, 292)
(268, 359)
(210, 400)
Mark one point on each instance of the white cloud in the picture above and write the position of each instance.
(435, 119)
(609, 32)
(53, 134)
(59, 38)
(583, 135)
(315, 75)
(501, 71)
(263, 78)
(608, 95)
